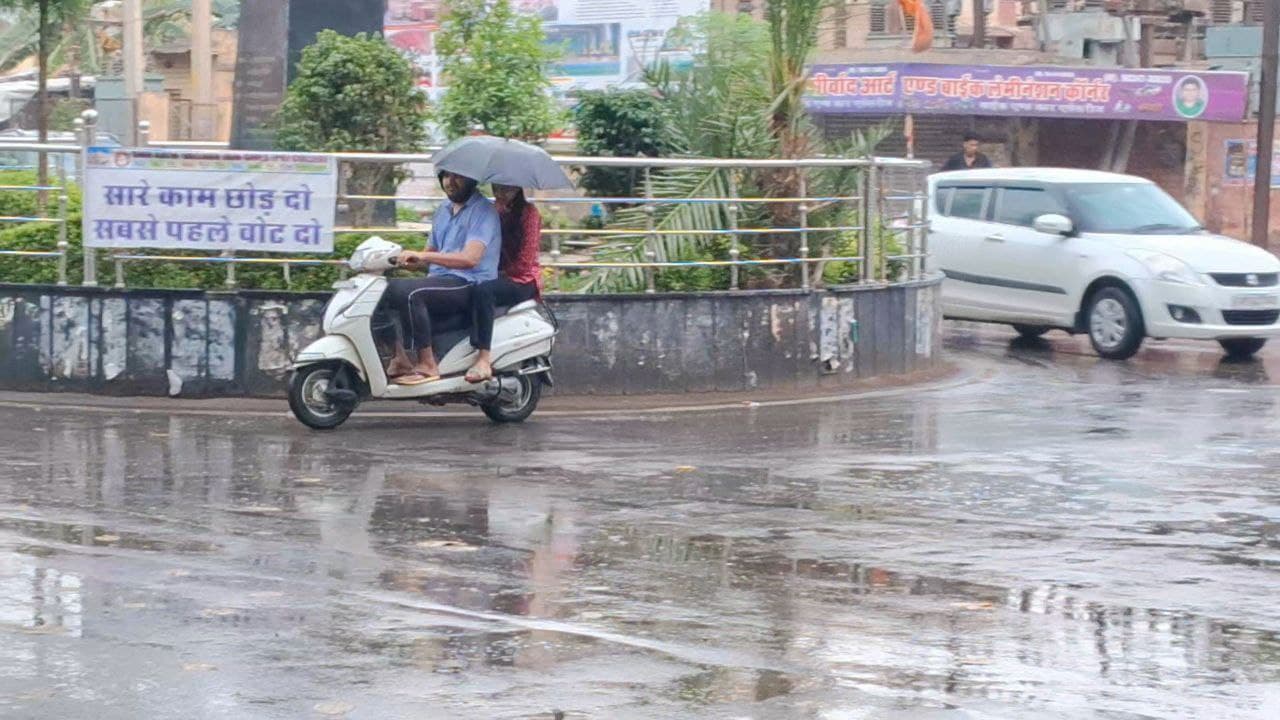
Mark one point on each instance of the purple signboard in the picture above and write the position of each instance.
(1099, 93)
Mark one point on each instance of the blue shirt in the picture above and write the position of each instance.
(477, 221)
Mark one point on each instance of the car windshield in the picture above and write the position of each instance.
(1127, 208)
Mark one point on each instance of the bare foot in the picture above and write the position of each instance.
(482, 370)
(429, 371)
(395, 369)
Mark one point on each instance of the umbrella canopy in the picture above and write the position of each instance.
(490, 159)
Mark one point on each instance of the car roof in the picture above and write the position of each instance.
(1036, 174)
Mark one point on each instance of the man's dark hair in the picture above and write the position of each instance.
(971, 136)
(469, 184)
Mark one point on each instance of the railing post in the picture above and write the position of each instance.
(651, 240)
(288, 276)
(119, 265)
(555, 254)
(803, 186)
(230, 282)
(62, 231)
(870, 221)
(89, 128)
(342, 209)
(919, 202)
(144, 133)
(735, 252)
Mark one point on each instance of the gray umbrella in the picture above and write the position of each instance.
(490, 159)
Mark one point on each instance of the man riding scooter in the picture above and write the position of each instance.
(463, 250)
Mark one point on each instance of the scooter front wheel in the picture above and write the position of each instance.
(309, 399)
(521, 406)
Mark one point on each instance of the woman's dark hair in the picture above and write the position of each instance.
(513, 224)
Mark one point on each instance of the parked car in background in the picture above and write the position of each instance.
(1110, 255)
(12, 158)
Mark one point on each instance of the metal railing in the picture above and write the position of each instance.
(889, 201)
(49, 210)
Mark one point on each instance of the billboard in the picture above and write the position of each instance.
(1034, 91)
(602, 42)
(197, 200)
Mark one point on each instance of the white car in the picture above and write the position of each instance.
(1086, 251)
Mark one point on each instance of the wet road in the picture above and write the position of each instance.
(1059, 537)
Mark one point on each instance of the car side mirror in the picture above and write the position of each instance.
(1054, 224)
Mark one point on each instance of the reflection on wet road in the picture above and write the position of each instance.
(1061, 538)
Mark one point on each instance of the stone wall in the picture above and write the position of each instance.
(191, 343)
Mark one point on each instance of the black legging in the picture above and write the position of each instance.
(417, 300)
(492, 294)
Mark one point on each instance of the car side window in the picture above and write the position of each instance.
(941, 197)
(968, 202)
(1021, 206)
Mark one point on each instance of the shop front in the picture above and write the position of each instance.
(1134, 119)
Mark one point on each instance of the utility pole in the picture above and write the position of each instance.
(979, 25)
(202, 108)
(1266, 123)
(133, 63)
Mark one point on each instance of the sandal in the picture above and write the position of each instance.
(414, 379)
(474, 377)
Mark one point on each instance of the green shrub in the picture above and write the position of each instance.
(622, 123)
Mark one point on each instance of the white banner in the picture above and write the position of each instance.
(198, 200)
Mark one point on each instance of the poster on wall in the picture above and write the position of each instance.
(196, 200)
(602, 42)
(1032, 91)
(1240, 164)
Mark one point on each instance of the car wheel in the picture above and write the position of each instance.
(1242, 348)
(1031, 332)
(1114, 324)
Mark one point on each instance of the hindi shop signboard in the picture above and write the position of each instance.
(1097, 93)
(194, 200)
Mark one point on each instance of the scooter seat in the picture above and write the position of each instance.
(519, 307)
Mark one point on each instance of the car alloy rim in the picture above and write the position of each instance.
(1108, 323)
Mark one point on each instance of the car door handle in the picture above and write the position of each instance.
(994, 238)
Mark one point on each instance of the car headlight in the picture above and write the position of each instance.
(1167, 268)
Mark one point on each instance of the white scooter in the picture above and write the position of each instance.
(338, 371)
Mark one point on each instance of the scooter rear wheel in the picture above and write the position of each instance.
(521, 407)
(307, 400)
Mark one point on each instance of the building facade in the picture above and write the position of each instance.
(1158, 44)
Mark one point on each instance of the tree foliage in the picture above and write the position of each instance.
(793, 38)
(618, 123)
(715, 106)
(718, 106)
(495, 70)
(355, 94)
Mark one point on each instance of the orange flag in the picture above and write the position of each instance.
(923, 38)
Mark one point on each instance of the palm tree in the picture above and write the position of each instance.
(717, 108)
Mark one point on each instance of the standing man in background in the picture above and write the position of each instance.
(969, 158)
